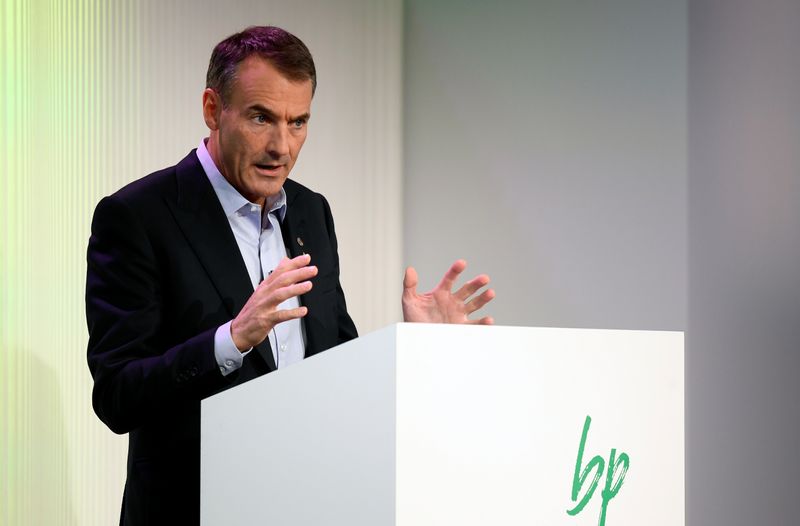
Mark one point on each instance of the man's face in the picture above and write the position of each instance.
(256, 139)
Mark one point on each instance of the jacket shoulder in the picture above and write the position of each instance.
(302, 196)
(155, 186)
(295, 189)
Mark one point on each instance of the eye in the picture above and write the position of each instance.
(298, 123)
(260, 118)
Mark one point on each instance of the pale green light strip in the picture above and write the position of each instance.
(63, 64)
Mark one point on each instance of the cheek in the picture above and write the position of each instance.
(252, 143)
(234, 142)
(298, 144)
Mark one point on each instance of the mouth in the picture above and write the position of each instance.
(269, 169)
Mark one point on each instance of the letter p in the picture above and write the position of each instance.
(612, 488)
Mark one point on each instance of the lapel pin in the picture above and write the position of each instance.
(300, 241)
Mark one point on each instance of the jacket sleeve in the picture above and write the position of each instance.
(136, 374)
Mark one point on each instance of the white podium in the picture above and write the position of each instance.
(455, 425)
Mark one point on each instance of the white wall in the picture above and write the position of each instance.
(545, 142)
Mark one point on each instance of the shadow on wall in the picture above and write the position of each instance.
(35, 465)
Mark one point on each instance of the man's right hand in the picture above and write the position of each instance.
(260, 314)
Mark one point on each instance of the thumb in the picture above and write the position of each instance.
(410, 281)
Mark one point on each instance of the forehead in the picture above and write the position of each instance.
(257, 81)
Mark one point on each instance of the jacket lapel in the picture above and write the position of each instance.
(200, 216)
(293, 229)
(299, 240)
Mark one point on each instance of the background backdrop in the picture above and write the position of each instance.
(618, 163)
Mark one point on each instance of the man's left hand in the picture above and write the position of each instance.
(442, 305)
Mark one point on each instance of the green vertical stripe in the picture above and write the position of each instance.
(63, 77)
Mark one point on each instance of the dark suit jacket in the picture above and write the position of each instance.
(164, 272)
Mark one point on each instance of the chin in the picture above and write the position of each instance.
(270, 189)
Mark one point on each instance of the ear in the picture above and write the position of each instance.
(212, 108)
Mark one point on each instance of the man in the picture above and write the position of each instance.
(220, 269)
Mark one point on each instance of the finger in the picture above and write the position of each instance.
(280, 316)
(476, 303)
(291, 277)
(287, 264)
(486, 320)
(468, 289)
(452, 274)
(284, 293)
(410, 281)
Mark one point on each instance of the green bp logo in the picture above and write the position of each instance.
(597, 466)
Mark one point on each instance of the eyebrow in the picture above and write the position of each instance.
(271, 114)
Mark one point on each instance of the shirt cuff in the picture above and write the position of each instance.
(228, 356)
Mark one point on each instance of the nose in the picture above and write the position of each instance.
(278, 144)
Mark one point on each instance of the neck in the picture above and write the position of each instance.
(212, 145)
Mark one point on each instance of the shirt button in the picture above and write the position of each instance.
(229, 363)
(254, 208)
(283, 348)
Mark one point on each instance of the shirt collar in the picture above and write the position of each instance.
(229, 197)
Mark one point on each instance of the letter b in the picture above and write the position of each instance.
(579, 478)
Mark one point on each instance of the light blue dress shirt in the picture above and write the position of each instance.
(261, 245)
